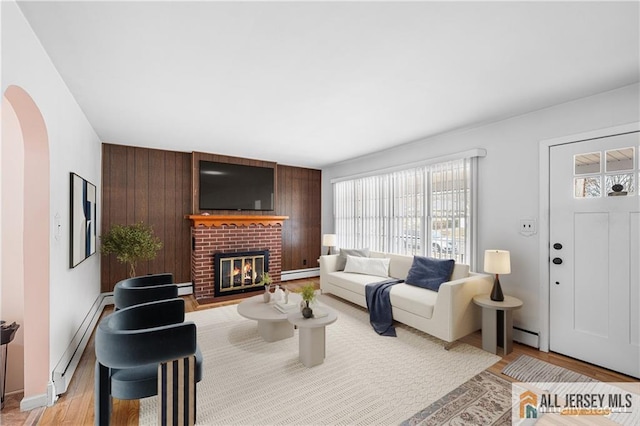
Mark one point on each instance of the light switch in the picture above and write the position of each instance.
(57, 227)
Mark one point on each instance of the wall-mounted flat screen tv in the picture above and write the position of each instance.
(225, 186)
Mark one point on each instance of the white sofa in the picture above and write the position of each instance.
(447, 314)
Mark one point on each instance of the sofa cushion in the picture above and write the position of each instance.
(399, 266)
(368, 266)
(429, 273)
(459, 271)
(417, 300)
(342, 258)
(352, 282)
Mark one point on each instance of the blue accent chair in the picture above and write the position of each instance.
(131, 343)
(143, 289)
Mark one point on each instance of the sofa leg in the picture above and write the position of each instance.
(449, 345)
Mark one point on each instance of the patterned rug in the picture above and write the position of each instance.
(486, 399)
(483, 400)
(544, 378)
(365, 379)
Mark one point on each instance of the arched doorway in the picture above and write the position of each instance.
(25, 225)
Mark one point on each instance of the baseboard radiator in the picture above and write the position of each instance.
(299, 273)
(526, 337)
(63, 372)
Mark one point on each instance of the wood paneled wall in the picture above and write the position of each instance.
(156, 187)
(299, 198)
(152, 186)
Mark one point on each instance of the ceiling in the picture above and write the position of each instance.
(314, 83)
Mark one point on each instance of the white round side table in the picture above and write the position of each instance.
(497, 322)
(312, 346)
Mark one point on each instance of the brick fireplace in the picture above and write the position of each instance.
(215, 234)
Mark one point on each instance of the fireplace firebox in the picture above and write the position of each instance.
(236, 273)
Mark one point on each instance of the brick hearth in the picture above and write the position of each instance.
(231, 234)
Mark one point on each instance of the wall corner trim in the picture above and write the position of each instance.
(32, 402)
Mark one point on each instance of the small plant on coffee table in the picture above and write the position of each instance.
(266, 280)
(308, 294)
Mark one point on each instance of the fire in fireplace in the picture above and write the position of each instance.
(236, 273)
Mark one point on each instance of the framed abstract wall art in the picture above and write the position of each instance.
(83, 220)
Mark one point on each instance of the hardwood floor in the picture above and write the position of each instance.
(75, 407)
(578, 366)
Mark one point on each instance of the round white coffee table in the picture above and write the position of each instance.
(272, 324)
(312, 348)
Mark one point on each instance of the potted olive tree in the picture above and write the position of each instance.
(131, 244)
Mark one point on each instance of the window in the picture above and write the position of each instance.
(617, 176)
(424, 210)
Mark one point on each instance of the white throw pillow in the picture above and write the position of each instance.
(377, 266)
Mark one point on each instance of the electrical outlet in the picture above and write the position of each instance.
(527, 227)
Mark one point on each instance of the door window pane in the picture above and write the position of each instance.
(586, 163)
(620, 159)
(587, 187)
(621, 184)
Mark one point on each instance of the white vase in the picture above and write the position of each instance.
(278, 295)
(266, 295)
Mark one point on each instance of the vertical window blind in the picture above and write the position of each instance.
(426, 210)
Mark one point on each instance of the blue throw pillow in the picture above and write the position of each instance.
(429, 273)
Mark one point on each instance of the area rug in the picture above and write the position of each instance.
(365, 379)
(544, 378)
(483, 400)
(529, 369)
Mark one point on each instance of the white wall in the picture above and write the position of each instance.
(73, 147)
(508, 178)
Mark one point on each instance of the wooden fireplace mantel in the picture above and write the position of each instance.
(238, 220)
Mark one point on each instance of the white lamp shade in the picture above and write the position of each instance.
(329, 240)
(497, 262)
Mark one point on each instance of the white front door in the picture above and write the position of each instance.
(595, 252)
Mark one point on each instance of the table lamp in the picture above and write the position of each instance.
(497, 262)
(329, 240)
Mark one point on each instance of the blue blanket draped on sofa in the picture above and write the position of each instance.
(379, 305)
